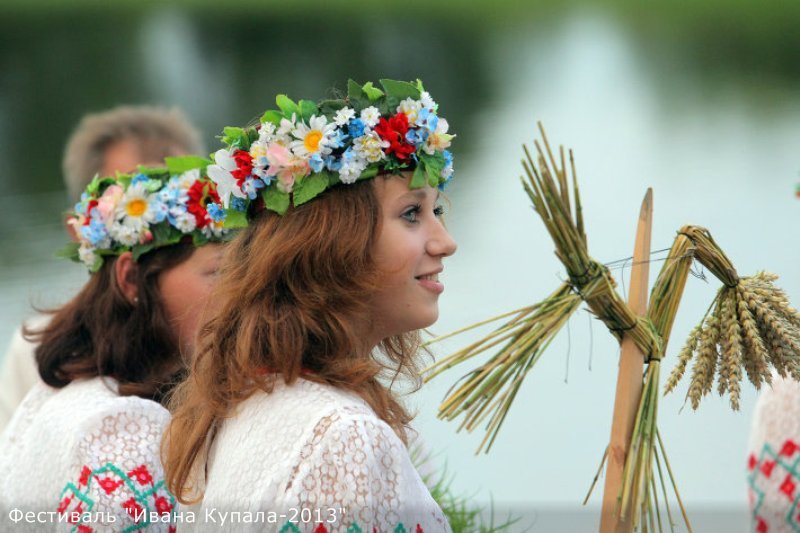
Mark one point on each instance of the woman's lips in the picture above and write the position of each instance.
(431, 282)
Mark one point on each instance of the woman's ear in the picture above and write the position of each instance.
(125, 273)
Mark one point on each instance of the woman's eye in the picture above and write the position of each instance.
(411, 214)
(438, 211)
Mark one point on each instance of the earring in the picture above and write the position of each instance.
(135, 300)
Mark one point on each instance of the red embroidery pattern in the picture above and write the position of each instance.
(141, 475)
(774, 478)
(138, 491)
(109, 485)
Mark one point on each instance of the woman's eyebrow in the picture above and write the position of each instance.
(418, 194)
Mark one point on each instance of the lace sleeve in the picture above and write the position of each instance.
(357, 469)
(773, 462)
(119, 479)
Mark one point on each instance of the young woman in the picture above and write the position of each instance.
(82, 450)
(288, 420)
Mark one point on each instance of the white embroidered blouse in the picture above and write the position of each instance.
(309, 457)
(84, 459)
(773, 463)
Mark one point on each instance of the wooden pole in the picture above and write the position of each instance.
(629, 380)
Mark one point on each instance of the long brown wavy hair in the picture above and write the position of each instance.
(293, 297)
(101, 333)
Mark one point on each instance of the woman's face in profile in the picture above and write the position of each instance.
(185, 289)
(409, 251)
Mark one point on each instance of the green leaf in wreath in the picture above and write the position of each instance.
(434, 164)
(287, 105)
(310, 187)
(70, 251)
(330, 107)
(272, 117)
(235, 219)
(235, 138)
(419, 178)
(179, 165)
(372, 92)
(397, 91)
(276, 200)
(308, 109)
(140, 249)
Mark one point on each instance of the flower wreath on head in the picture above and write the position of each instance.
(149, 209)
(304, 148)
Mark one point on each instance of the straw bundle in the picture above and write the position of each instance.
(749, 326)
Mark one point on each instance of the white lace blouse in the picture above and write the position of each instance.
(773, 463)
(312, 458)
(83, 459)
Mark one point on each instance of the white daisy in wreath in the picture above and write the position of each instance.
(312, 138)
(138, 208)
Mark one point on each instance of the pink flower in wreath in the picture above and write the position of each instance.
(286, 166)
(107, 203)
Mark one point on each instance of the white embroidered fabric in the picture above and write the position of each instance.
(83, 451)
(18, 372)
(311, 454)
(773, 461)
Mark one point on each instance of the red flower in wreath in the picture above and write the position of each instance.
(92, 204)
(201, 193)
(141, 474)
(244, 162)
(394, 132)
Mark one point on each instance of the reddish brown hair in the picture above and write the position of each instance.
(100, 333)
(293, 292)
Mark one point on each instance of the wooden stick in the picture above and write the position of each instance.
(629, 380)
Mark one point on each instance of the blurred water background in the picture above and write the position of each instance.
(700, 101)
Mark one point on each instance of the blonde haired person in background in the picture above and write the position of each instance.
(116, 140)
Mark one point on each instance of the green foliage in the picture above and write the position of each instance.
(310, 187)
(287, 105)
(272, 117)
(236, 138)
(141, 249)
(276, 200)
(179, 165)
(397, 91)
(94, 186)
(152, 185)
(235, 219)
(373, 93)
(330, 107)
(308, 109)
(150, 171)
(70, 251)
(370, 172)
(433, 164)
(419, 177)
(462, 514)
(198, 239)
